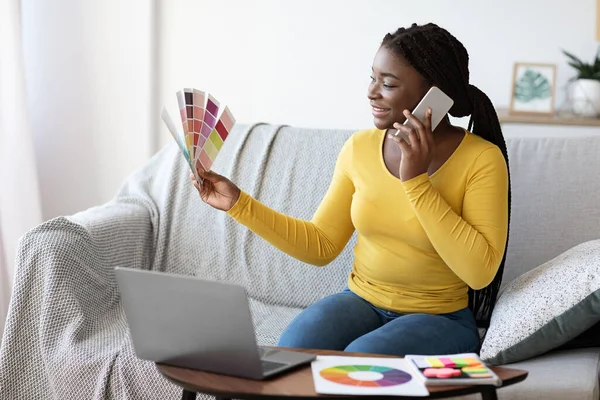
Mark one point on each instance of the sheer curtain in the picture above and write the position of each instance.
(19, 194)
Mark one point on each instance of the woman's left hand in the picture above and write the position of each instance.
(417, 153)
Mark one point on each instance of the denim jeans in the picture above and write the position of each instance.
(345, 321)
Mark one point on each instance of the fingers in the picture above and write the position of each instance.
(199, 168)
(427, 125)
(427, 121)
(414, 121)
(195, 182)
(403, 144)
(423, 128)
(205, 174)
(209, 175)
(406, 132)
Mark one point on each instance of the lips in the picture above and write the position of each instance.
(379, 111)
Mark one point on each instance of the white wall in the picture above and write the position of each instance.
(307, 63)
(88, 76)
(304, 63)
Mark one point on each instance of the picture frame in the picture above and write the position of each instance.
(533, 89)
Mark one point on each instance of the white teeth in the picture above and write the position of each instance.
(379, 109)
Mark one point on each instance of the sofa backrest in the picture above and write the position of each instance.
(556, 192)
(555, 197)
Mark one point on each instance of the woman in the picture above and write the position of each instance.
(431, 213)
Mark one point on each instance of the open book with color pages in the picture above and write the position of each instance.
(454, 369)
(203, 130)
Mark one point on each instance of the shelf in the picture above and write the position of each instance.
(557, 119)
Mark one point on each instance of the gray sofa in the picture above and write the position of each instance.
(66, 336)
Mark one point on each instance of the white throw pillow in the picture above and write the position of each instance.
(545, 307)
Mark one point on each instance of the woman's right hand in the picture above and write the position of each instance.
(216, 190)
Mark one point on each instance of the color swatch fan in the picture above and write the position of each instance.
(203, 133)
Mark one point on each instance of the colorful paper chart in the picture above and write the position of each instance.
(365, 375)
(204, 131)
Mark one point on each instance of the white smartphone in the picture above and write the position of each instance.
(440, 104)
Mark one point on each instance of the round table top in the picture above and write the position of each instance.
(298, 383)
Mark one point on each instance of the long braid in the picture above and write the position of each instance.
(444, 62)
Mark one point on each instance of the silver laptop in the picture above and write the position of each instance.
(198, 324)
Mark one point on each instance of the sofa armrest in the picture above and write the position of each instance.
(65, 291)
(119, 233)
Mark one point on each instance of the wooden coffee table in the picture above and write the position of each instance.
(298, 383)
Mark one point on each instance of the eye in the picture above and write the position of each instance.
(372, 78)
(388, 86)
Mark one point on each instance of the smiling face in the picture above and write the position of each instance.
(395, 86)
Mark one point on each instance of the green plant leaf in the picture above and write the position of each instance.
(584, 70)
(575, 59)
(597, 60)
(532, 85)
(572, 64)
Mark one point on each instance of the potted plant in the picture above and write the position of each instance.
(584, 91)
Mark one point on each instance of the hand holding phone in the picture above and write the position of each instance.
(439, 102)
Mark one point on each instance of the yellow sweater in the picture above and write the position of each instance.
(420, 243)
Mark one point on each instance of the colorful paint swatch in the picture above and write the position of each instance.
(203, 133)
(205, 130)
(179, 139)
(176, 135)
(188, 99)
(204, 160)
(184, 122)
(200, 143)
(189, 108)
(208, 123)
(211, 150)
(199, 98)
(210, 120)
(216, 140)
(225, 123)
(210, 114)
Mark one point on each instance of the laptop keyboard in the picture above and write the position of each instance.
(269, 366)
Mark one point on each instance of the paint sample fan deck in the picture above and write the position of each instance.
(203, 131)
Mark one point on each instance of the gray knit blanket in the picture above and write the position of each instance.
(66, 335)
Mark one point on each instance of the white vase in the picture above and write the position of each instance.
(584, 96)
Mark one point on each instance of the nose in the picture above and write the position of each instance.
(373, 92)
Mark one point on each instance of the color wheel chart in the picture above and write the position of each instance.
(365, 375)
(204, 131)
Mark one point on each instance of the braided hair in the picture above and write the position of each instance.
(444, 62)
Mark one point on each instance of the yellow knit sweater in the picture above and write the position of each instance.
(421, 243)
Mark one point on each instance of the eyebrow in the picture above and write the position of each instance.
(387, 74)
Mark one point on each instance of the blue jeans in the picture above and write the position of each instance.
(345, 321)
